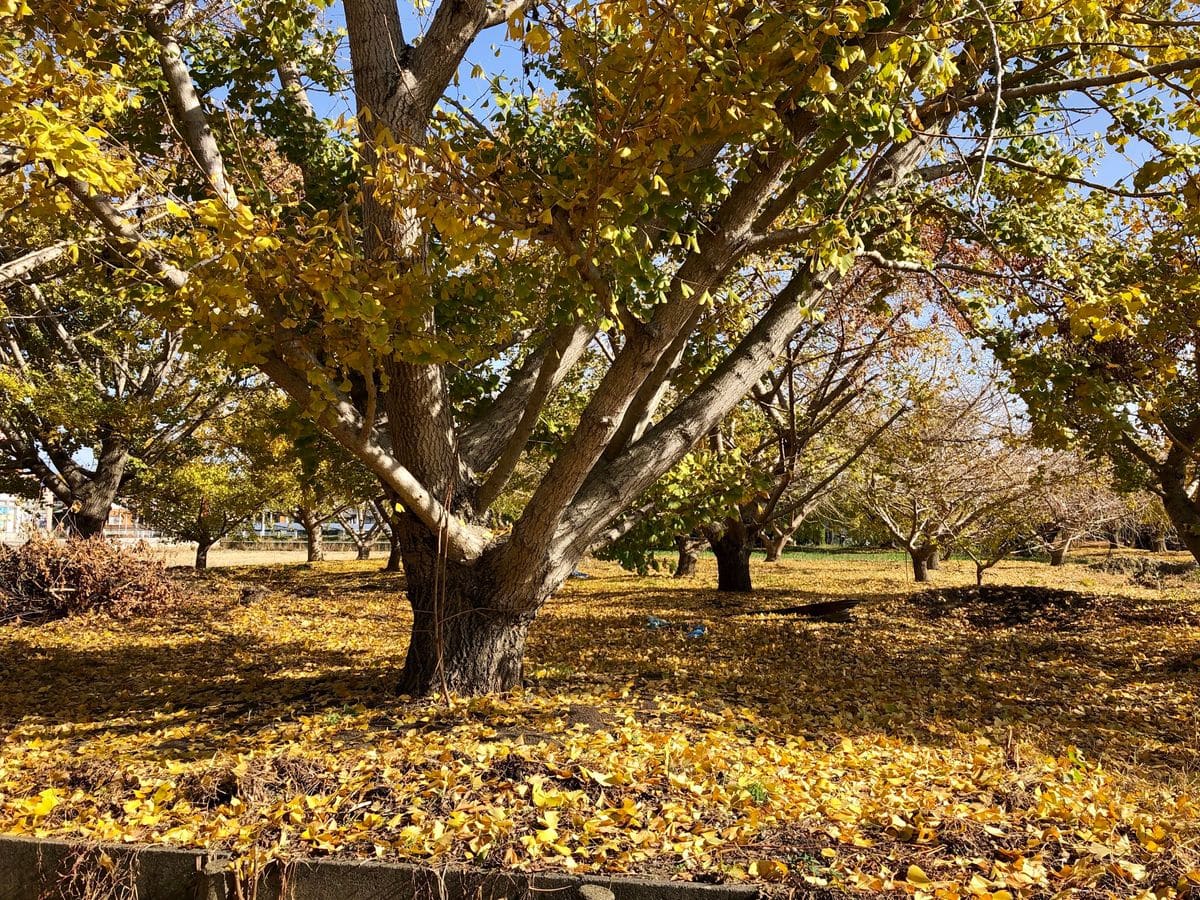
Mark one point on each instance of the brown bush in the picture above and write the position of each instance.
(45, 579)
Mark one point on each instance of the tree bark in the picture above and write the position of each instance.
(685, 567)
(1185, 516)
(202, 554)
(313, 538)
(1181, 505)
(921, 558)
(364, 550)
(395, 560)
(732, 550)
(775, 545)
(1160, 540)
(88, 509)
(85, 522)
(467, 636)
(933, 560)
(1058, 553)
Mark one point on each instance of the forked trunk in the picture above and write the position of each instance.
(88, 509)
(775, 545)
(685, 566)
(732, 550)
(364, 550)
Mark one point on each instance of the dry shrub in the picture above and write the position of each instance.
(45, 579)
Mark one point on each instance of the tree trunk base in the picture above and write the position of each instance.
(732, 551)
(920, 564)
(685, 566)
(470, 652)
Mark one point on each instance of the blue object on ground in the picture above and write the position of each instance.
(698, 631)
(578, 574)
(656, 622)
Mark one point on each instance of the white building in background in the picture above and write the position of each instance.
(21, 515)
(124, 526)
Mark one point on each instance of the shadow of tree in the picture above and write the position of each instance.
(1112, 678)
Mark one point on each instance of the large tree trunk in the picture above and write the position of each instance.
(87, 511)
(732, 550)
(1180, 504)
(921, 559)
(85, 522)
(364, 549)
(202, 554)
(463, 640)
(314, 540)
(685, 566)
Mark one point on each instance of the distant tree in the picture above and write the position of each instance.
(953, 465)
(92, 391)
(324, 481)
(816, 413)
(234, 470)
(1073, 499)
(362, 523)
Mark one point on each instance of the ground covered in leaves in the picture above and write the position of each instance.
(1039, 739)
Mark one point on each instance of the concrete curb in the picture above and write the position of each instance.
(33, 869)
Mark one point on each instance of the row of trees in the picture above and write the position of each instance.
(520, 315)
(857, 421)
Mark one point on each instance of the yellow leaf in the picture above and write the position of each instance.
(916, 875)
(822, 81)
(537, 39)
(45, 803)
(768, 869)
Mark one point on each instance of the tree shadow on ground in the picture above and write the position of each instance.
(1111, 677)
(1107, 675)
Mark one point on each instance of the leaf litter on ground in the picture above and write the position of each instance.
(1040, 738)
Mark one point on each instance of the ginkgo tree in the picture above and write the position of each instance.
(93, 391)
(1102, 340)
(657, 157)
(763, 471)
(233, 469)
(956, 467)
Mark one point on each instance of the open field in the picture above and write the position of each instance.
(1025, 744)
(221, 558)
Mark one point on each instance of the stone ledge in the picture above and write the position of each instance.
(33, 869)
